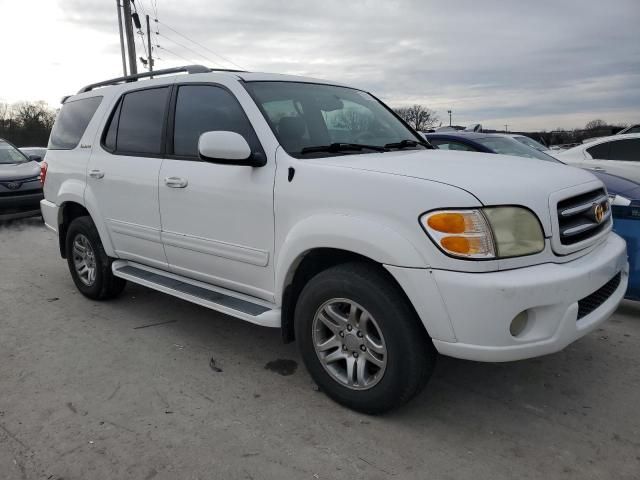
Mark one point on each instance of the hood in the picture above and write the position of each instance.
(492, 179)
(19, 171)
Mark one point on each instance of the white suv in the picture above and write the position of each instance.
(303, 205)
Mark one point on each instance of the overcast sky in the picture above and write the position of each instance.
(533, 65)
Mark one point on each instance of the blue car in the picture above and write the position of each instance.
(625, 194)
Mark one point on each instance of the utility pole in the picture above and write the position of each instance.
(449, 112)
(506, 128)
(128, 29)
(150, 59)
(124, 59)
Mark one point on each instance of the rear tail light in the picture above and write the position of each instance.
(43, 172)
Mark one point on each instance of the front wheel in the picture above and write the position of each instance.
(361, 340)
(89, 264)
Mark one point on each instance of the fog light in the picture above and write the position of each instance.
(518, 324)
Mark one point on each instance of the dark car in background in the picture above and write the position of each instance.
(20, 187)
(34, 153)
(624, 193)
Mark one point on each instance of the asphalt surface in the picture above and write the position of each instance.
(151, 387)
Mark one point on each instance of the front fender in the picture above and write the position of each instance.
(340, 231)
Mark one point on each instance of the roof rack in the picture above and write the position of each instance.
(168, 71)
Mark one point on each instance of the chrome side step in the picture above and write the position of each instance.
(222, 300)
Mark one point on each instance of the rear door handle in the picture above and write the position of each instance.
(598, 169)
(176, 182)
(96, 173)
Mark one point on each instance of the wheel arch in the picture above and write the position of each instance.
(72, 209)
(309, 264)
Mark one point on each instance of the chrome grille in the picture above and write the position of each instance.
(583, 216)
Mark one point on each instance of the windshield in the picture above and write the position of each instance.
(312, 119)
(509, 146)
(532, 143)
(10, 154)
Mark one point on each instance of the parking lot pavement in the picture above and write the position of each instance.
(149, 386)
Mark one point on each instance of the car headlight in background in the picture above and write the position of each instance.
(485, 233)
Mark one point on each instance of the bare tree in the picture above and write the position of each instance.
(4, 111)
(26, 123)
(595, 124)
(33, 115)
(353, 120)
(418, 116)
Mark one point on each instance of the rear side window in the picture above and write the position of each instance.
(600, 152)
(628, 150)
(205, 108)
(71, 123)
(136, 124)
(112, 130)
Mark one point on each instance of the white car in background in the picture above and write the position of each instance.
(618, 154)
(630, 129)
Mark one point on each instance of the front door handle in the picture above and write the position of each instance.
(176, 182)
(598, 169)
(96, 173)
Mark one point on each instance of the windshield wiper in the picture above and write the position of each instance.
(342, 147)
(407, 143)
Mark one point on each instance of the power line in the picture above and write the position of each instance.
(173, 53)
(139, 2)
(190, 49)
(200, 45)
(139, 31)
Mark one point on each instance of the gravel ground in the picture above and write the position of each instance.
(149, 386)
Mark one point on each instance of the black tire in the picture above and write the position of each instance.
(411, 355)
(106, 285)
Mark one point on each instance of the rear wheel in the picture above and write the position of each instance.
(88, 263)
(361, 340)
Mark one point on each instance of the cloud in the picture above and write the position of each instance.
(526, 63)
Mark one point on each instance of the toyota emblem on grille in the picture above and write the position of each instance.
(600, 210)
(14, 185)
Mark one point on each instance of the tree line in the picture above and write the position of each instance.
(30, 123)
(26, 123)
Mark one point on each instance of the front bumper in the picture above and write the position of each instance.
(20, 204)
(481, 306)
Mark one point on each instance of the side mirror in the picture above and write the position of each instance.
(228, 148)
(35, 158)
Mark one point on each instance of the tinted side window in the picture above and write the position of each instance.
(71, 123)
(204, 108)
(600, 152)
(451, 145)
(110, 134)
(628, 150)
(141, 121)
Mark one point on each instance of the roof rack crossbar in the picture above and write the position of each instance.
(168, 71)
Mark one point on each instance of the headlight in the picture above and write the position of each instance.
(487, 233)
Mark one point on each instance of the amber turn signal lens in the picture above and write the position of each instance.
(456, 244)
(448, 222)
